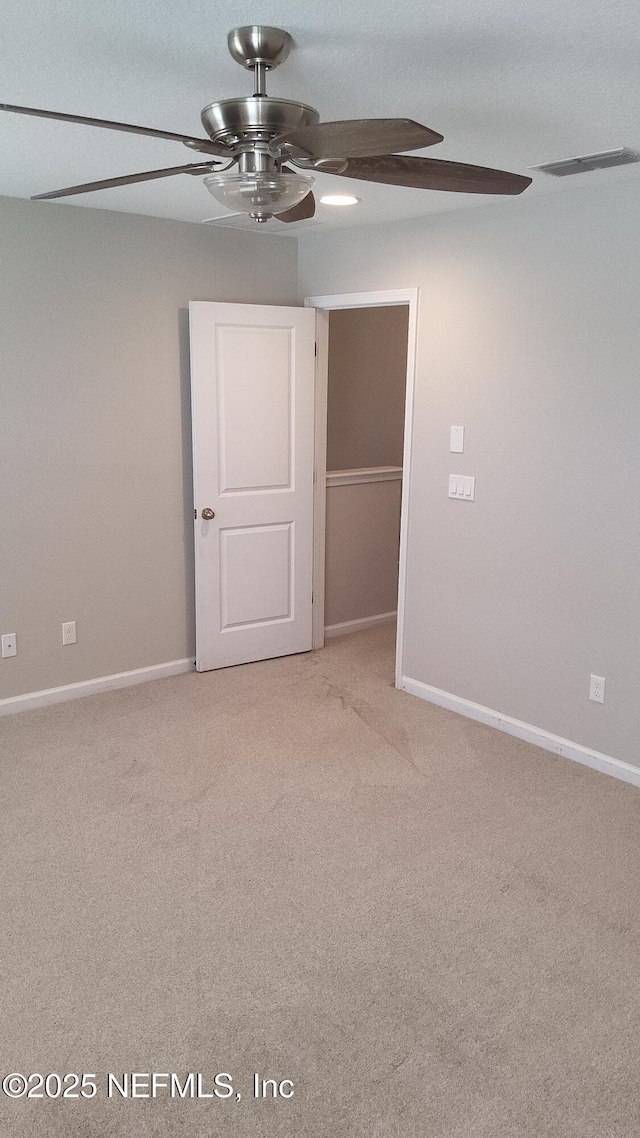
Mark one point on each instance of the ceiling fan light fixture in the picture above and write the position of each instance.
(259, 133)
(339, 199)
(261, 194)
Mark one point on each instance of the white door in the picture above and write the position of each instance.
(252, 406)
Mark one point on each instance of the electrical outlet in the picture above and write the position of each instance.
(69, 632)
(9, 645)
(596, 689)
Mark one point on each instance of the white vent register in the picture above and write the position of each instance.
(622, 156)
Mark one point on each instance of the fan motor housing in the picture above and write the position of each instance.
(255, 119)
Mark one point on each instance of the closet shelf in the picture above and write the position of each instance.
(364, 474)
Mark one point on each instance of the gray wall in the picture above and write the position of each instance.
(367, 374)
(361, 562)
(529, 336)
(95, 494)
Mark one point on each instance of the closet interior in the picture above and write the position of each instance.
(365, 438)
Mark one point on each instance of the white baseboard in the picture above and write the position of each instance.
(93, 687)
(359, 625)
(526, 731)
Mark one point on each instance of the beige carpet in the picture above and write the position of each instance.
(293, 869)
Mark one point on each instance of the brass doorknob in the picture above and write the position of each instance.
(207, 514)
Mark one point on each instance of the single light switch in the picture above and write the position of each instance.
(456, 445)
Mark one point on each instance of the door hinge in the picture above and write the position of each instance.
(315, 348)
(195, 514)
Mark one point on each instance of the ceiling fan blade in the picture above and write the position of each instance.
(435, 174)
(196, 143)
(128, 179)
(358, 138)
(300, 212)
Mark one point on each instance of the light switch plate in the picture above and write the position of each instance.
(462, 486)
(456, 443)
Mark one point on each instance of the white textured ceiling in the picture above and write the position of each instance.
(509, 83)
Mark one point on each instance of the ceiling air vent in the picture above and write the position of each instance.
(620, 157)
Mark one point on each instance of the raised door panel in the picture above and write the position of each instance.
(254, 370)
(255, 575)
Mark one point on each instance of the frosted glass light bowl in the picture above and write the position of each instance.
(260, 194)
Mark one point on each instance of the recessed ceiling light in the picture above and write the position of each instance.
(339, 199)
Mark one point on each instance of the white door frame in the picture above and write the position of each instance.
(324, 305)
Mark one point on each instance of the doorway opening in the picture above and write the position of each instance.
(364, 403)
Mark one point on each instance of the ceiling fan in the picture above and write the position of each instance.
(264, 137)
